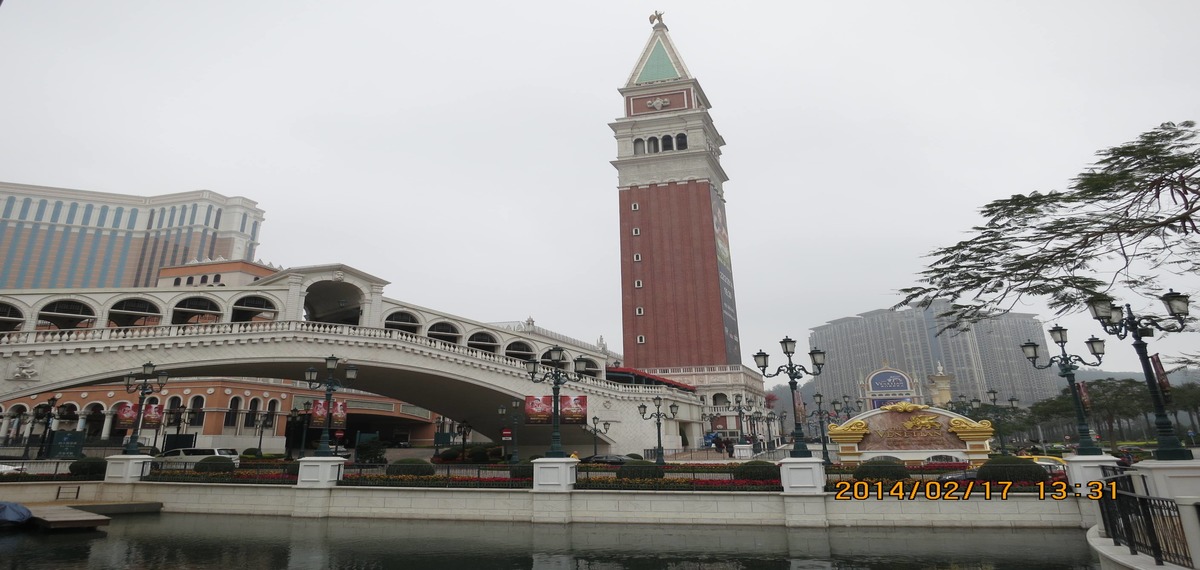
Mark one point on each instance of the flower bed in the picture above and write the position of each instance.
(678, 484)
(239, 476)
(37, 477)
(454, 481)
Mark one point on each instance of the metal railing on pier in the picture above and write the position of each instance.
(1147, 525)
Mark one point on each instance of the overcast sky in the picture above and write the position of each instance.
(461, 150)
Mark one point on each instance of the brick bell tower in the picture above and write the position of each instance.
(678, 307)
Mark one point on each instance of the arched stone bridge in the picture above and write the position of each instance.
(465, 370)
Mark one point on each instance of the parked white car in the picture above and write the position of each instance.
(187, 457)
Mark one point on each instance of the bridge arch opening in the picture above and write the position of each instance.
(519, 350)
(483, 342)
(11, 318)
(195, 311)
(404, 321)
(335, 302)
(66, 314)
(253, 308)
(134, 313)
(445, 332)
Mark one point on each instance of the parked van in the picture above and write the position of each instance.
(187, 457)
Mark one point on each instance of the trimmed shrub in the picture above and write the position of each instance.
(451, 454)
(639, 469)
(522, 471)
(411, 466)
(251, 452)
(477, 454)
(883, 470)
(634, 456)
(214, 464)
(88, 466)
(373, 451)
(1010, 468)
(757, 471)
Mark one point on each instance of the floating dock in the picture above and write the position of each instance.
(55, 517)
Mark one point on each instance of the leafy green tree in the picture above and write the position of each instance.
(1123, 222)
(1113, 400)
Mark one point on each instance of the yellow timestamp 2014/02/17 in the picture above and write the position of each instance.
(966, 490)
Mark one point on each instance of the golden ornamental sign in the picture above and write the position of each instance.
(903, 407)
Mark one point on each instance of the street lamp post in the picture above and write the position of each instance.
(47, 434)
(596, 431)
(29, 437)
(514, 417)
(331, 385)
(142, 389)
(992, 396)
(1121, 321)
(293, 425)
(770, 436)
(307, 426)
(741, 410)
(658, 415)
(1067, 367)
(821, 416)
(782, 422)
(794, 373)
(464, 429)
(556, 377)
(262, 426)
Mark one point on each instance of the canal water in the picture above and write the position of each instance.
(201, 542)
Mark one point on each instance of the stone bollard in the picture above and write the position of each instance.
(803, 481)
(320, 472)
(553, 481)
(126, 468)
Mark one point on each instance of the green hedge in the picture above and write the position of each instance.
(411, 466)
(214, 464)
(522, 471)
(1011, 468)
(88, 466)
(639, 469)
(756, 471)
(882, 470)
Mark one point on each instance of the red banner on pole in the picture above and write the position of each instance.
(152, 416)
(1164, 383)
(539, 410)
(573, 410)
(318, 414)
(339, 415)
(126, 416)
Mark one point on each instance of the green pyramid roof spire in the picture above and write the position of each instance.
(658, 66)
(660, 60)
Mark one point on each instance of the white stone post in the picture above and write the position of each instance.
(1082, 469)
(802, 475)
(553, 481)
(126, 468)
(320, 472)
(554, 474)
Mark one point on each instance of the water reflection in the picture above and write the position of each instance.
(202, 542)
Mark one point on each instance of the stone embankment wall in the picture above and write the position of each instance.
(522, 505)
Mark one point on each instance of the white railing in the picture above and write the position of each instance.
(268, 327)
